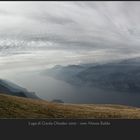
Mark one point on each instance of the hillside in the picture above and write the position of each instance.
(19, 107)
(10, 88)
(121, 76)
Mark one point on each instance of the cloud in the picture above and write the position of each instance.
(74, 28)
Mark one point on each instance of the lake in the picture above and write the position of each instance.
(49, 89)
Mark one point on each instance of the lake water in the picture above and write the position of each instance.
(49, 89)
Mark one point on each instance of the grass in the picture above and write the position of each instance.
(18, 107)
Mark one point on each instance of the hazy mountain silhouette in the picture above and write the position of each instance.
(10, 88)
(120, 76)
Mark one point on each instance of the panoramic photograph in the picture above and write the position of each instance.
(70, 60)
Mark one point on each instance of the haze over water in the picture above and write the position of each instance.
(35, 36)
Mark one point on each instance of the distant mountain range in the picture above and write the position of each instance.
(118, 76)
(7, 87)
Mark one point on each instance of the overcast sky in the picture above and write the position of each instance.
(41, 34)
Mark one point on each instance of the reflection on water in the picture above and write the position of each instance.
(50, 89)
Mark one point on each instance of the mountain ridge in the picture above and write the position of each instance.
(122, 75)
(10, 88)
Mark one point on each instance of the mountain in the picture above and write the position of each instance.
(19, 107)
(10, 88)
(118, 76)
(64, 72)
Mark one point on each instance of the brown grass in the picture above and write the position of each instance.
(18, 107)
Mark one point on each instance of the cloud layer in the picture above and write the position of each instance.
(41, 33)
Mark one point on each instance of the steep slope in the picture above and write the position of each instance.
(118, 76)
(113, 76)
(19, 107)
(10, 88)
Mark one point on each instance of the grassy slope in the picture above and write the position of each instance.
(18, 107)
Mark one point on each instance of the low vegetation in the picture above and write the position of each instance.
(18, 107)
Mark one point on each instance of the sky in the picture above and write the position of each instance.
(38, 35)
